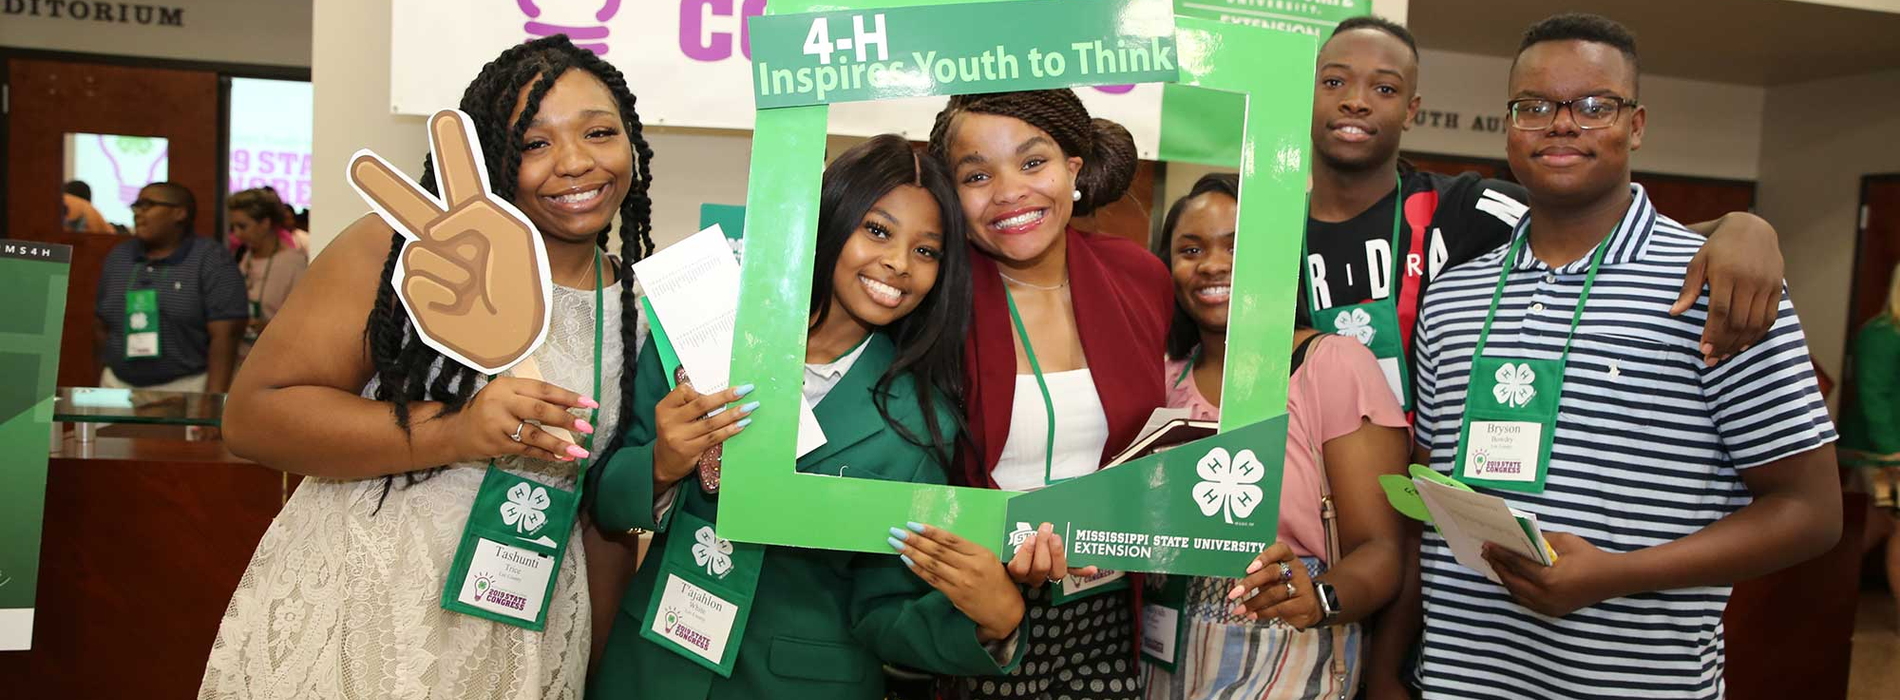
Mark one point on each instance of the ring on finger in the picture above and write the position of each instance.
(518, 428)
(1291, 592)
(1286, 571)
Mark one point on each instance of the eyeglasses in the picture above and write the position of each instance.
(143, 204)
(1593, 112)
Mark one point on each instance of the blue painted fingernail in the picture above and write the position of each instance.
(743, 422)
(748, 408)
(744, 389)
(907, 561)
(915, 527)
(899, 546)
(900, 534)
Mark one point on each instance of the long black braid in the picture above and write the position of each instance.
(402, 363)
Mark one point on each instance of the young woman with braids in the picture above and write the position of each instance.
(1068, 326)
(343, 597)
(890, 295)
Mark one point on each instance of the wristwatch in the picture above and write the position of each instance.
(1328, 602)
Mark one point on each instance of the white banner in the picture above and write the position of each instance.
(688, 62)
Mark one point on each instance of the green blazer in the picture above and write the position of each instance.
(823, 622)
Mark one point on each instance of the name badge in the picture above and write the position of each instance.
(1509, 420)
(1375, 324)
(508, 581)
(1502, 450)
(1070, 588)
(1163, 617)
(703, 594)
(505, 567)
(141, 324)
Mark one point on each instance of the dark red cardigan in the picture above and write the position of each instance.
(1124, 300)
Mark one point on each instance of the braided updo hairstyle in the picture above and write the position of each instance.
(402, 362)
(1105, 147)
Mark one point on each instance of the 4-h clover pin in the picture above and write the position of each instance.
(1227, 484)
(526, 508)
(1514, 384)
(1355, 323)
(711, 552)
(139, 320)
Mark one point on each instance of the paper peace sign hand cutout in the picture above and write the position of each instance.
(474, 273)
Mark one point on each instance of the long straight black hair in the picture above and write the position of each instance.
(401, 361)
(930, 338)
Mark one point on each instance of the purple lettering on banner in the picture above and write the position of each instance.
(753, 8)
(698, 39)
(541, 29)
(593, 36)
(697, 43)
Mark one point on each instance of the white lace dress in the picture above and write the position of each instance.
(343, 601)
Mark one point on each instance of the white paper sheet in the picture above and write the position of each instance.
(1161, 417)
(1468, 520)
(694, 288)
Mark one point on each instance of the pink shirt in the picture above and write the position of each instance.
(1338, 388)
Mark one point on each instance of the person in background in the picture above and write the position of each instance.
(170, 307)
(298, 235)
(1870, 430)
(77, 213)
(1664, 480)
(1332, 566)
(281, 218)
(271, 263)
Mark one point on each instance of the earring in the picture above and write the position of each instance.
(1075, 195)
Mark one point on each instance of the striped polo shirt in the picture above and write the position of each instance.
(197, 284)
(1648, 448)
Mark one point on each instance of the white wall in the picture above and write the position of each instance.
(266, 32)
(1818, 139)
(1695, 128)
(350, 67)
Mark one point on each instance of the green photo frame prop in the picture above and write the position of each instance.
(1111, 518)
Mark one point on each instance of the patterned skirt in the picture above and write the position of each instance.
(1083, 650)
(1224, 656)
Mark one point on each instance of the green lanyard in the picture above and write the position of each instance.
(257, 304)
(1510, 259)
(1193, 357)
(1398, 219)
(1048, 404)
(593, 415)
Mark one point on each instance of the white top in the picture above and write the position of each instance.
(821, 378)
(1081, 431)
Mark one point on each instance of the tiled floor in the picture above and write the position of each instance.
(1875, 674)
